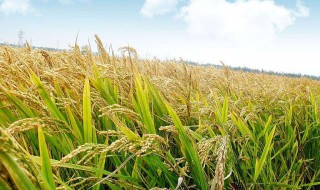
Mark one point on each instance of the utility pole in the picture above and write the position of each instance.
(20, 37)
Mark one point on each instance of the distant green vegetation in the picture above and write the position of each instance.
(78, 120)
(249, 70)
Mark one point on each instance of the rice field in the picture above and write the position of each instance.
(78, 120)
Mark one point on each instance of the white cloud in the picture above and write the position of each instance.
(302, 11)
(246, 21)
(26, 6)
(15, 6)
(239, 33)
(158, 7)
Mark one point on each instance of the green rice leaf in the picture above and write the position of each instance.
(46, 97)
(88, 130)
(20, 179)
(45, 160)
(261, 162)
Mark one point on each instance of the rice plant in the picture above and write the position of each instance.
(79, 120)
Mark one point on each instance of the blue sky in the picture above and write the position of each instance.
(279, 35)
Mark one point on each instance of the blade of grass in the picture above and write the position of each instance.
(88, 130)
(25, 110)
(4, 185)
(45, 165)
(144, 105)
(46, 97)
(189, 151)
(260, 162)
(19, 178)
(74, 125)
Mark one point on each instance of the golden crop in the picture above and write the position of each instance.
(76, 120)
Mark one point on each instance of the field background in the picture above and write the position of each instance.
(74, 120)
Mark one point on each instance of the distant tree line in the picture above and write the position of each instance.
(249, 70)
